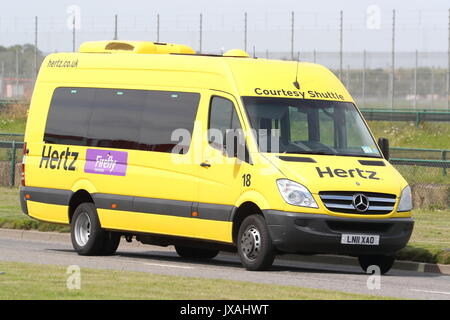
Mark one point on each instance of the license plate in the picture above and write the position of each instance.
(360, 239)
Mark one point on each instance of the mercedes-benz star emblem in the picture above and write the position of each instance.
(360, 202)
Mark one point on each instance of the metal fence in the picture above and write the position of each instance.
(11, 148)
(416, 116)
(366, 75)
(422, 165)
(395, 59)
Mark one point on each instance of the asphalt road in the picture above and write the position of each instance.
(157, 260)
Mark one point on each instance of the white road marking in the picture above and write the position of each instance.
(167, 265)
(429, 291)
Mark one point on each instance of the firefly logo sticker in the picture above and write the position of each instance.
(106, 162)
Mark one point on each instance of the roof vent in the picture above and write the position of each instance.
(119, 46)
(236, 53)
(142, 47)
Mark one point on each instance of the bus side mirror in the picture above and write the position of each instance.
(383, 143)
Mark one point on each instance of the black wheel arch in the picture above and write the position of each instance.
(76, 199)
(243, 211)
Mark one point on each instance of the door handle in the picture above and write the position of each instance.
(205, 165)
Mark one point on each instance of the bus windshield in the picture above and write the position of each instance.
(299, 126)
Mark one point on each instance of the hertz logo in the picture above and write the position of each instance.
(56, 160)
(352, 173)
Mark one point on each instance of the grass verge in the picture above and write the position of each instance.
(11, 216)
(429, 135)
(430, 241)
(13, 118)
(34, 281)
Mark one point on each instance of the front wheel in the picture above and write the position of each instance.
(254, 243)
(385, 263)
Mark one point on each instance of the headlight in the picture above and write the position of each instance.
(296, 194)
(405, 203)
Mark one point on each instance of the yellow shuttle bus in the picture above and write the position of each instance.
(153, 142)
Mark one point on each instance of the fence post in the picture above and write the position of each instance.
(12, 169)
(341, 43)
(245, 31)
(443, 157)
(364, 79)
(415, 79)
(201, 33)
(393, 61)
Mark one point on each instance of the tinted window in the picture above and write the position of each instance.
(115, 118)
(68, 118)
(165, 112)
(222, 117)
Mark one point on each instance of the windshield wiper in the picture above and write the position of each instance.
(360, 155)
(312, 152)
(333, 154)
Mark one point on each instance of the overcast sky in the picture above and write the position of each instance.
(106, 7)
(421, 25)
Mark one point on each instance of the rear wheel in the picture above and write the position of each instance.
(196, 253)
(385, 263)
(112, 241)
(88, 238)
(254, 244)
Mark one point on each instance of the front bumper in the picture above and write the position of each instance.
(295, 232)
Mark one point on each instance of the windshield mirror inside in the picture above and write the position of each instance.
(285, 125)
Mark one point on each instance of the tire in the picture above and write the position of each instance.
(196, 253)
(88, 238)
(255, 247)
(385, 263)
(112, 241)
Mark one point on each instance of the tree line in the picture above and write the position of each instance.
(20, 59)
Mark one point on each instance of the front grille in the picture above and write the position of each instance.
(342, 201)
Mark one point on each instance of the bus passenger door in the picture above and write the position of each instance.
(221, 175)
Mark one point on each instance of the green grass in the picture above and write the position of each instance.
(34, 281)
(419, 174)
(430, 241)
(429, 135)
(12, 120)
(11, 215)
(12, 125)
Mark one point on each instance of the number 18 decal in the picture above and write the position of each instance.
(247, 180)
